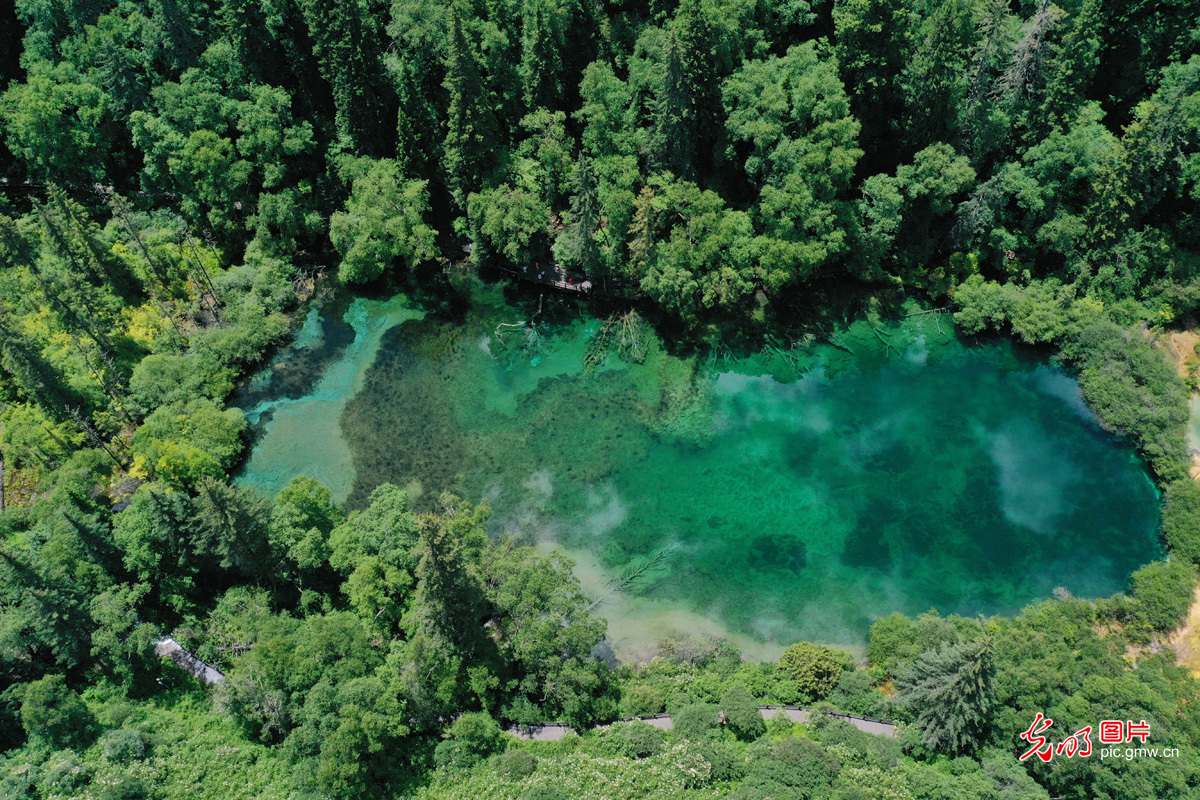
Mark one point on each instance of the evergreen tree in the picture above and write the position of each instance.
(450, 602)
(1072, 69)
(673, 143)
(688, 101)
(1020, 86)
(544, 25)
(347, 43)
(950, 693)
(934, 81)
(471, 132)
(871, 44)
(233, 524)
(26, 372)
(577, 244)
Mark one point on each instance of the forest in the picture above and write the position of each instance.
(180, 178)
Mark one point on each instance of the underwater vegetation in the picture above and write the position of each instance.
(797, 492)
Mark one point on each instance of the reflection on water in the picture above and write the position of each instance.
(784, 496)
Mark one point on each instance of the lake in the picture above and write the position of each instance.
(799, 492)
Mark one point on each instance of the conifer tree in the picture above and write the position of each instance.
(471, 133)
(688, 107)
(543, 41)
(949, 691)
(935, 81)
(1071, 71)
(577, 244)
(673, 145)
(346, 38)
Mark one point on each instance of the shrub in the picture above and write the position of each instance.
(516, 765)
(891, 642)
(855, 693)
(698, 721)
(62, 774)
(544, 793)
(472, 738)
(1181, 519)
(1162, 591)
(53, 714)
(640, 739)
(781, 725)
(726, 764)
(123, 746)
(642, 699)
(800, 764)
(815, 668)
(741, 713)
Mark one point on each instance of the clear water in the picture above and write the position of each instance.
(769, 498)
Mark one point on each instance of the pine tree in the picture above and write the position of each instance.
(347, 41)
(870, 41)
(950, 692)
(688, 106)
(27, 372)
(543, 41)
(1023, 80)
(934, 82)
(1070, 72)
(672, 145)
(471, 134)
(702, 77)
(577, 244)
(992, 42)
(450, 603)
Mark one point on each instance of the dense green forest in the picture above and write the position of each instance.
(183, 175)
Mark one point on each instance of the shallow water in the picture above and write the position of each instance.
(789, 495)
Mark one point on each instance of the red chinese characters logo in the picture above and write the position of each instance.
(1111, 731)
(1077, 744)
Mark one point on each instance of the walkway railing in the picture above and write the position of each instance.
(553, 731)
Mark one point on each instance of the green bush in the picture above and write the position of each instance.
(1162, 592)
(891, 642)
(127, 789)
(641, 740)
(123, 746)
(641, 700)
(544, 793)
(815, 668)
(472, 738)
(1181, 519)
(165, 378)
(63, 773)
(799, 764)
(1135, 391)
(516, 765)
(698, 721)
(741, 714)
(855, 693)
(727, 765)
(55, 715)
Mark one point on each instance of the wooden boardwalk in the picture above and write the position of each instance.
(166, 647)
(553, 731)
(555, 276)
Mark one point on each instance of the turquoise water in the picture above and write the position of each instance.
(791, 494)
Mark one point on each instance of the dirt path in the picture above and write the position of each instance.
(1180, 347)
(1186, 640)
